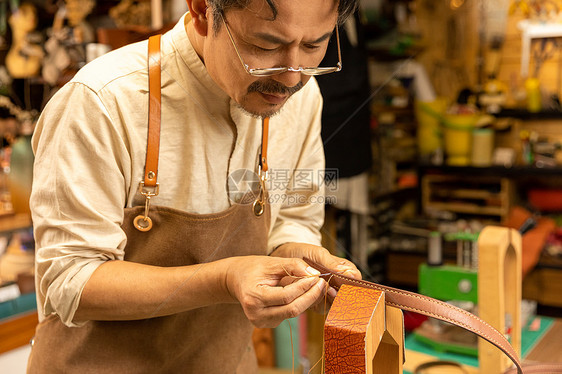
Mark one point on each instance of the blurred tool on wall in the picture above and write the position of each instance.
(492, 92)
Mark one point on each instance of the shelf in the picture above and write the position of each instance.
(528, 116)
(497, 171)
(478, 195)
(13, 222)
(465, 194)
(467, 208)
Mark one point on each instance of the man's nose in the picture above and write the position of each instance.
(290, 59)
(289, 78)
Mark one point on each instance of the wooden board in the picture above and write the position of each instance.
(17, 331)
(549, 347)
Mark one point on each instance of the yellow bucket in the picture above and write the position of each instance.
(457, 133)
(429, 115)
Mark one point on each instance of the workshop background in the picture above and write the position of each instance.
(458, 103)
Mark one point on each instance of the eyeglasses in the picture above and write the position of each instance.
(265, 72)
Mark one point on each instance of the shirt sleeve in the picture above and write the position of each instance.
(302, 211)
(78, 195)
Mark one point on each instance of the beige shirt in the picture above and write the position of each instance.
(90, 146)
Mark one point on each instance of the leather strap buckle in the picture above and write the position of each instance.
(262, 174)
(259, 203)
(149, 191)
(143, 222)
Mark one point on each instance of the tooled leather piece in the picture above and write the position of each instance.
(345, 330)
(427, 306)
(154, 105)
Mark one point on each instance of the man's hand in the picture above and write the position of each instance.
(322, 256)
(272, 289)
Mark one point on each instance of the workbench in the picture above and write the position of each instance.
(543, 345)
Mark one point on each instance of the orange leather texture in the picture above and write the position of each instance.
(346, 327)
(154, 111)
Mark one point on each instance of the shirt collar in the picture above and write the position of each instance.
(190, 57)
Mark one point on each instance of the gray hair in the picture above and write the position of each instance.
(220, 7)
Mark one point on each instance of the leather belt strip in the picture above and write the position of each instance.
(427, 306)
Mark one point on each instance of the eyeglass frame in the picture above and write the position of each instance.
(266, 72)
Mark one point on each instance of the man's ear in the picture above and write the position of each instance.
(198, 12)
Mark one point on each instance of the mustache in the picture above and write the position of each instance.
(273, 87)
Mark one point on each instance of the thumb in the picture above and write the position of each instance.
(341, 266)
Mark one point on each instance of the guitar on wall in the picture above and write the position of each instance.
(24, 58)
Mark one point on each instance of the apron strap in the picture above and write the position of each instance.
(264, 137)
(149, 187)
(154, 112)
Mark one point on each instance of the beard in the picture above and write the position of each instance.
(269, 87)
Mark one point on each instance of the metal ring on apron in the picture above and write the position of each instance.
(258, 207)
(139, 225)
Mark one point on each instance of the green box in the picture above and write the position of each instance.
(449, 282)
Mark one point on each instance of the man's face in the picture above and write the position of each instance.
(297, 37)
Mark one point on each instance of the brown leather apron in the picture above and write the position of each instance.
(214, 339)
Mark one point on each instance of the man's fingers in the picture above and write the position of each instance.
(277, 313)
(324, 303)
(278, 296)
(295, 267)
(345, 267)
(336, 264)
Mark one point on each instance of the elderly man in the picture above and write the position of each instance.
(152, 256)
